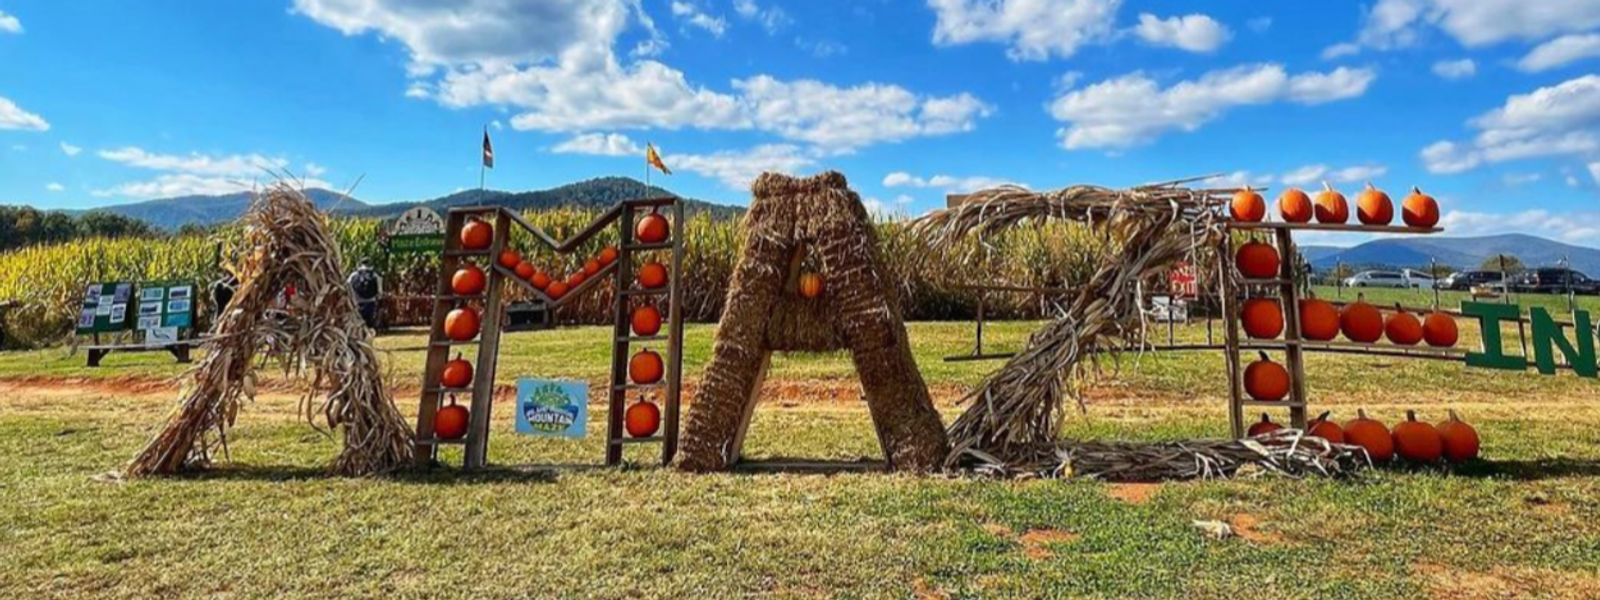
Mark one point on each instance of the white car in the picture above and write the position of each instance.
(1405, 279)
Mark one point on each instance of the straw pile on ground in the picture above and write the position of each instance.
(1287, 452)
(318, 336)
(1014, 418)
(789, 218)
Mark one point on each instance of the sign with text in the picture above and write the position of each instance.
(106, 308)
(1549, 337)
(417, 231)
(552, 408)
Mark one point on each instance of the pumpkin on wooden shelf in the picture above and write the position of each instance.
(1319, 320)
(811, 285)
(450, 422)
(1419, 210)
(541, 281)
(1295, 206)
(1371, 435)
(468, 280)
(1361, 322)
(1373, 206)
(1323, 428)
(525, 270)
(1331, 207)
(1257, 260)
(556, 289)
(652, 275)
(645, 320)
(1460, 439)
(462, 324)
(1266, 380)
(607, 255)
(652, 229)
(1248, 206)
(642, 419)
(1263, 427)
(1263, 318)
(1417, 441)
(477, 235)
(1402, 328)
(457, 373)
(645, 367)
(1439, 329)
(509, 258)
(576, 279)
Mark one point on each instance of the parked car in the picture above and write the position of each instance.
(1466, 280)
(1553, 280)
(1390, 279)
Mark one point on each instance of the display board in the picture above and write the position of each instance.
(164, 308)
(419, 230)
(106, 308)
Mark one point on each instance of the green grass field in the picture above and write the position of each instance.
(1525, 523)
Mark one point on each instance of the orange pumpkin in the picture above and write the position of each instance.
(607, 255)
(457, 373)
(556, 290)
(646, 320)
(645, 367)
(1417, 441)
(476, 235)
(1266, 380)
(509, 258)
(642, 419)
(1371, 435)
(1319, 320)
(1439, 330)
(1361, 322)
(576, 279)
(1257, 260)
(462, 324)
(810, 285)
(652, 275)
(525, 270)
(1460, 439)
(1402, 327)
(1373, 207)
(1419, 209)
(1295, 206)
(468, 280)
(1263, 427)
(1263, 318)
(450, 423)
(1323, 428)
(652, 229)
(540, 281)
(1331, 207)
(1248, 206)
(591, 266)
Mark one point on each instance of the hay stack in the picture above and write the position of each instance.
(859, 312)
(320, 338)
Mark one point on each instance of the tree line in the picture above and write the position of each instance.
(22, 226)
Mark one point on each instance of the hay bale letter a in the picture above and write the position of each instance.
(788, 219)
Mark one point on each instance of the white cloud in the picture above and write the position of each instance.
(1313, 174)
(315, 170)
(9, 23)
(1521, 179)
(1032, 29)
(1475, 23)
(196, 174)
(600, 144)
(1237, 179)
(176, 185)
(1570, 227)
(1194, 33)
(738, 169)
(1594, 171)
(771, 18)
(948, 183)
(841, 119)
(70, 150)
(1134, 109)
(822, 48)
(1340, 50)
(13, 117)
(1563, 119)
(1560, 51)
(1455, 69)
(54, 187)
(693, 16)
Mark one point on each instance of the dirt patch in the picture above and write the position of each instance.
(1133, 493)
(920, 590)
(998, 530)
(1445, 583)
(1246, 526)
(1036, 542)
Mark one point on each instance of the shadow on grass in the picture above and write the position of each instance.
(803, 466)
(1531, 470)
(435, 475)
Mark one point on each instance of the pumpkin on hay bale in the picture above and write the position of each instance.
(320, 339)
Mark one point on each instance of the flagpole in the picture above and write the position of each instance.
(483, 168)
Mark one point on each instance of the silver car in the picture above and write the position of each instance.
(1406, 279)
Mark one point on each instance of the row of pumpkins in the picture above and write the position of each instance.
(1373, 207)
(1416, 441)
(1321, 321)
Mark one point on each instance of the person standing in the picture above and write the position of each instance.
(367, 286)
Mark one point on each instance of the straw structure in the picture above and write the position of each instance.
(1288, 452)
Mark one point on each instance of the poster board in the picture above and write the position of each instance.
(106, 308)
(165, 306)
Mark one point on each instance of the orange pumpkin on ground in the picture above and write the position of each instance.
(457, 373)
(1248, 206)
(1373, 207)
(646, 320)
(1371, 435)
(1323, 428)
(1266, 380)
(1331, 206)
(642, 419)
(525, 270)
(476, 235)
(607, 255)
(1263, 427)
(1319, 320)
(1295, 206)
(652, 275)
(461, 324)
(450, 422)
(1263, 318)
(468, 280)
(1257, 260)
(556, 289)
(1402, 327)
(591, 266)
(1419, 209)
(540, 281)
(811, 285)
(1361, 322)
(509, 259)
(1439, 330)
(576, 279)
(652, 229)
(1417, 441)
(1460, 439)
(645, 367)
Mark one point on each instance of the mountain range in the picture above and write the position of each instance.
(1457, 252)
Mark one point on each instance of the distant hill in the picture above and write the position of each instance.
(172, 213)
(1462, 252)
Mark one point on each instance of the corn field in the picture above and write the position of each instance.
(44, 284)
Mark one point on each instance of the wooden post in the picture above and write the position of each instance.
(477, 454)
(669, 446)
(1293, 352)
(617, 398)
(1230, 317)
(426, 448)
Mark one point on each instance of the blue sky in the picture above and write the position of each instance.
(1491, 105)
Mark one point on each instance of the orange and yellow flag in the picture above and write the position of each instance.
(654, 159)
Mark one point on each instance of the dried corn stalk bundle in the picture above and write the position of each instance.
(316, 335)
(1287, 452)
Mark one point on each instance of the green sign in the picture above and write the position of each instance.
(1548, 338)
(106, 307)
(417, 231)
(165, 306)
(416, 244)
